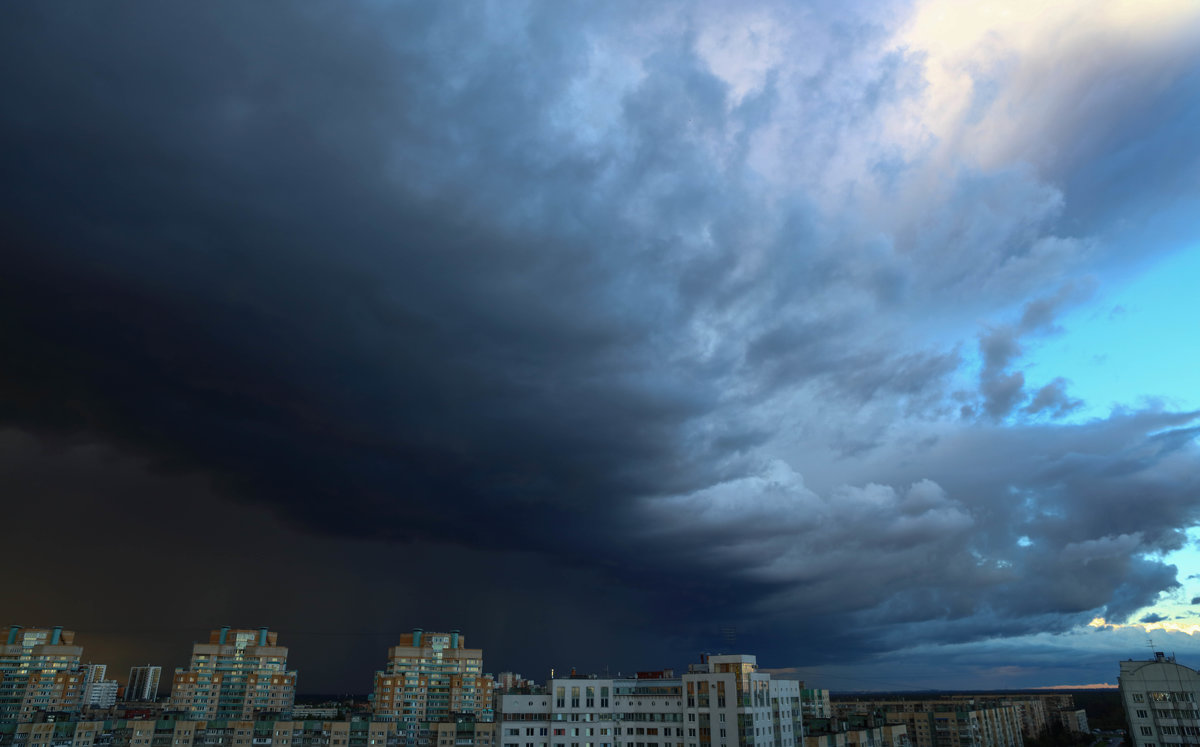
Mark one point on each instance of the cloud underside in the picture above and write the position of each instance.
(726, 321)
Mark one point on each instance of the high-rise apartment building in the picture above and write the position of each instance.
(96, 672)
(1160, 698)
(722, 702)
(238, 674)
(102, 694)
(432, 677)
(99, 691)
(142, 685)
(40, 671)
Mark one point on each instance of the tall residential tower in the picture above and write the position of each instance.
(432, 677)
(40, 671)
(142, 685)
(238, 674)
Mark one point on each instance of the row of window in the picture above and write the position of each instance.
(1191, 731)
(1165, 696)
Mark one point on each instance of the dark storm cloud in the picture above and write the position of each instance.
(1000, 347)
(1152, 618)
(1053, 400)
(509, 290)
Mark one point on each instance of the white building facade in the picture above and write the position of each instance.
(723, 702)
(1160, 699)
(102, 694)
(142, 684)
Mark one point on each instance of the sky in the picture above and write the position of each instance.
(859, 336)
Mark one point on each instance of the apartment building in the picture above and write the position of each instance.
(1074, 721)
(946, 722)
(722, 702)
(1036, 712)
(512, 681)
(432, 677)
(815, 703)
(238, 674)
(99, 692)
(40, 673)
(142, 685)
(1160, 696)
(173, 732)
(102, 694)
(827, 733)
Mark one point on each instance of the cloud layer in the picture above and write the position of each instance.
(720, 311)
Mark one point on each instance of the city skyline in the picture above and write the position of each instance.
(396, 651)
(856, 335)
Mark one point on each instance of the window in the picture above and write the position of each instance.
(1141, 714)
(1147, 731)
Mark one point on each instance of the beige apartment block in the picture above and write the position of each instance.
(948, 722)
(432, 677)
(1036, 712)
(40, 673)
(238, 674)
